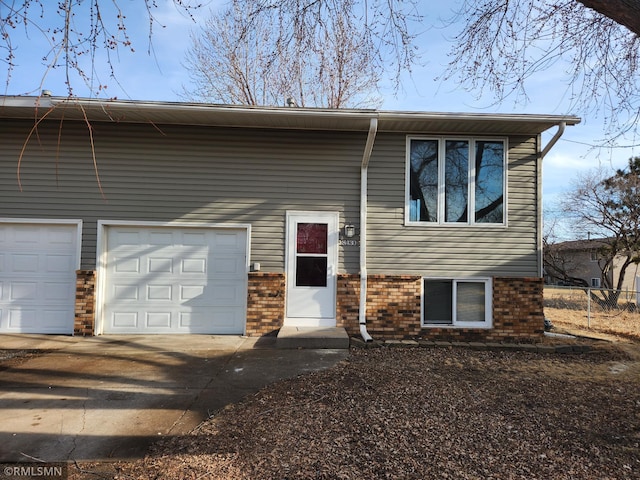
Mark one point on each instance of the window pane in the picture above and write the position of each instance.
(312, 237)
(489, 182)
(456, 175)
(470, 302)
(423, 177)
(437, 302)
(311, 271)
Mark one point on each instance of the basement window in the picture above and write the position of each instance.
(462, 303)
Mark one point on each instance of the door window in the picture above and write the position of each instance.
(311, 254)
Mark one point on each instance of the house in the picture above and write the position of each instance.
(580, 262)
(155, 217)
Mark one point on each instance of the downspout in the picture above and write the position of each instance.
(362, 311)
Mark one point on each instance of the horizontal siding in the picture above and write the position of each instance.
(216, 175)
(451, 251)
(189, 174)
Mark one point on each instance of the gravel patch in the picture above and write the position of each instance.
(416, 413)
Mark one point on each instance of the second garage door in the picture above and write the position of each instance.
(175, 280)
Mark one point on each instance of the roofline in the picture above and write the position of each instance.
(332, 119)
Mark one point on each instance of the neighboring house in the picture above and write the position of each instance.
(580, 261)
(153, 217)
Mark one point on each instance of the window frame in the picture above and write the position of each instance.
(441, 181)
(455, 324)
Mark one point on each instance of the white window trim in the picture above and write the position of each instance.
(488, 304)
(595, 282)
(441, 176)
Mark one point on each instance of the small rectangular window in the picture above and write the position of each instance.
(456, 303)
(595, 282)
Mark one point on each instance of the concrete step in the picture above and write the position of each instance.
(312, 337)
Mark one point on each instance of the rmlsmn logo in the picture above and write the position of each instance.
(53, 472)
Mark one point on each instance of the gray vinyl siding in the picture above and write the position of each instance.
(188, 174)
(447, 251)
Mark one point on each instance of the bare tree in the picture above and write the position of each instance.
(75, 32)
(502, 44)
(80, 33)
(240, 59)
(607, 207)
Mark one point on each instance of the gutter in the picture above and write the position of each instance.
(366, 156)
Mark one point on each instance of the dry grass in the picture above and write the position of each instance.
(621, 324)
(569, 310)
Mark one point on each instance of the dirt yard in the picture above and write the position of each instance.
(416, 413)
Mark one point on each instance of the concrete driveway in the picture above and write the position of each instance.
(110, 397)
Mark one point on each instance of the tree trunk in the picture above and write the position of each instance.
(624, 12)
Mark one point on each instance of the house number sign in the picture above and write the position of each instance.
(348, 242)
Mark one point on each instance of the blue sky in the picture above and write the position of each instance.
(159, 76)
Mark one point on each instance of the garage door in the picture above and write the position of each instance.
(175, 280)
(37, 277)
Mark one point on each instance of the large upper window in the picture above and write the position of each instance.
(456, 180)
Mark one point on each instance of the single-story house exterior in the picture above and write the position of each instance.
(156, 217)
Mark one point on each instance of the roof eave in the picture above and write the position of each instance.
(97, 110)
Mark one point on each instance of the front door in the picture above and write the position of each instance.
(311, 266)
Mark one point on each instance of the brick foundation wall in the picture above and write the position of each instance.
(394, 310)
(265, 303)
(84, 320)
(518, 309)
(348, 303)
(393, 306)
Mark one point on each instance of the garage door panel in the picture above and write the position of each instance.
(224, 320)
(123, 292)
(23, 291)
(125, 320)
(125, 264)
(23, 319)
(58, 291)
(24, 263)
(58, 263)
(158, 320)
(160, 293)
(37, 277)
(197, 264)
(160, 265)
(176, 280)
(195, 239)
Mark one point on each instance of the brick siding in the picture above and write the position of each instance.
(393, 308)
(85, 314)
(265, 303)
(348, 303)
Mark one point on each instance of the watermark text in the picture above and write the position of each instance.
(40, 471)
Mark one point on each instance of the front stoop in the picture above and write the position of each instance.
(312, 337)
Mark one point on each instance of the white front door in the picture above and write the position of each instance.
(312, 256)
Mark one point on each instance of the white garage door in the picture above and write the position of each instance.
(37, 277)
(175, 280)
